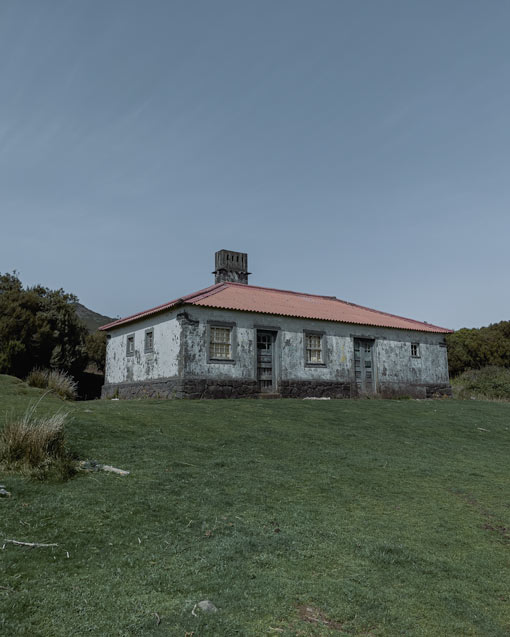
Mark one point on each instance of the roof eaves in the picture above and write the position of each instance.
(436, 329)
(140, 315)
(188, 298)
(397, 316)
(334, 298)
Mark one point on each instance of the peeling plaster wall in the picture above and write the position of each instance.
(395, 369)
(163, 362)
(395, 365)
(196, 346)
(180, 365)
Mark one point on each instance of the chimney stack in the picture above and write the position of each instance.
(231, 266)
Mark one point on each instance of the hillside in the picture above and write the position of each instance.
(92, 319)
(370, 517)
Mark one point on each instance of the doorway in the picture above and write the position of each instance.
(364, 366)
(265, 362)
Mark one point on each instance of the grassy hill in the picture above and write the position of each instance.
(375, 518)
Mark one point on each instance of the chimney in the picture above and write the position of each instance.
(231, 266)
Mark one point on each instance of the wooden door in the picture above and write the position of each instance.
(265, 361)
(364, 366)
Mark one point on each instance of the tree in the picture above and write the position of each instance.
(38, 328)
(476, 348)
(96, 349)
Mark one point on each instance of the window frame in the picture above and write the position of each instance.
(415, 350)
(233, 342)
(323, 349)
(130, 338)
(146, 348)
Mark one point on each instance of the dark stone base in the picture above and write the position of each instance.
(182, 388)
(399, 390)
(161, 388)
(438, 391)
(314, 389)
(205, 388)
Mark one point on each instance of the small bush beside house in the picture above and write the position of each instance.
(60, 383)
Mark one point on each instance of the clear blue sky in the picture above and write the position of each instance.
(356, 149)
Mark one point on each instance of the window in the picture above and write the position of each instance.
(314, 350)
(415, 350)
(130, 345)
(220, 343)
(149, 340)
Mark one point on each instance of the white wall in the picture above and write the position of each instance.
(181, 349)
(163, 362)
(392, 356)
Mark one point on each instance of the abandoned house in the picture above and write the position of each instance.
(234, 340)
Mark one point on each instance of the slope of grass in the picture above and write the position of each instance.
(292, 517)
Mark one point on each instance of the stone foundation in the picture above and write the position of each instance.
(438, 391)
(314, 389)
(398, 390)
(209, 388)
(182, 388)
(160, 388)
(205, 388)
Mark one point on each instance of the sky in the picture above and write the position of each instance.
(359, 149)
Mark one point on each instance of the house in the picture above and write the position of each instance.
(233, 340)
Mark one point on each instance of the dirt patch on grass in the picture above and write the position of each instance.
(313, 615)
(491, 524)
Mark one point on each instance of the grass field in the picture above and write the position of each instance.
(292, 517)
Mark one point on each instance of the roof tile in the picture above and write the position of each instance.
(252, 298)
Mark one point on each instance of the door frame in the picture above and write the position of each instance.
(275, 333)
(372, 340)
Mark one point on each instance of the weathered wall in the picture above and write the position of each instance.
(181, 354)
(395, 370)
(163, 362)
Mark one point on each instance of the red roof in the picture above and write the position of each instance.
(252, 298)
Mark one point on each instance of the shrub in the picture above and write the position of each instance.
(59, 382)
(96, 349)
(39, 326)
(63, 385)
(489, 382)
(36, 446)
(476, 348)
(38, 378)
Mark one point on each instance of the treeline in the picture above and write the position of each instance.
(476, 348)
(39, 328)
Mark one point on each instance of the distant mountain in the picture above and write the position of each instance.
(92, 320)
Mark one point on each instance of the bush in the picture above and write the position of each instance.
(39, 326)
(60, 383)
(96, 350)
(477, 348)
(38, 378)
(36, 446)
(490, 382)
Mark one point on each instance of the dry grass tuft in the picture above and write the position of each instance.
(60, 383)
(38, 378)
(36, 446)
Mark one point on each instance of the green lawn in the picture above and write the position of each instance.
(293, 517)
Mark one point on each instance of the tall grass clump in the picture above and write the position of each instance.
(58, 382)
(36, 446)
(490, 382)
(38, 378)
